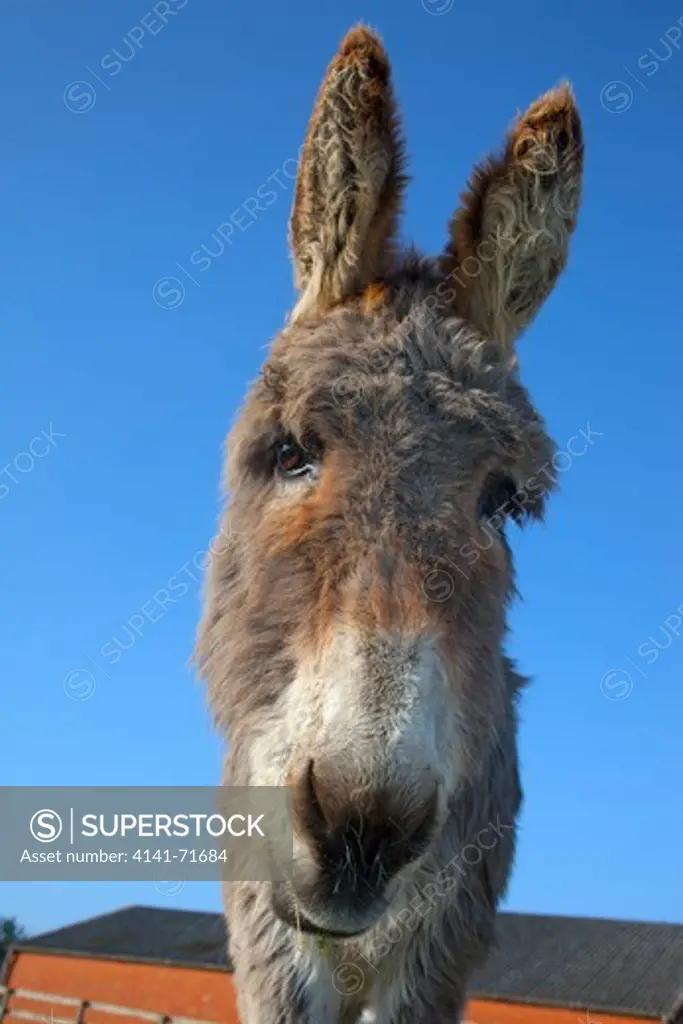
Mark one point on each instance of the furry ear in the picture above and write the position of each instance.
(510, 237)
(349, 185)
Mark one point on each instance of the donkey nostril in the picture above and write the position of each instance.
(371, 828)
(315, 795)
(396, 840)
(308, 804)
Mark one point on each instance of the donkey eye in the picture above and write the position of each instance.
(496, 501)
(293, 460)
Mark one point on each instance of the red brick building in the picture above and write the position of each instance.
(169, 966)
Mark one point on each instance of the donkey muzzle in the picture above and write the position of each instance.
(356, 839)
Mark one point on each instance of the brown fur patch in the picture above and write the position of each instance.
(374, 296)
(292, 523)
(396, 602)
(294, 527)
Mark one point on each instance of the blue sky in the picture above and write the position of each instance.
(111, 183)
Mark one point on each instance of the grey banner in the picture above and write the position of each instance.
(144, 833)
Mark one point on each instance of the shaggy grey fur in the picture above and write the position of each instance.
(411, 415)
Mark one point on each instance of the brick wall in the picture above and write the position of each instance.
(182, 991)
(203, 993)
(490, 1012)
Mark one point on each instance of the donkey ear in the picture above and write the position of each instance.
(510, 237)
(349, 184)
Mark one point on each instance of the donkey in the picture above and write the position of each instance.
(355, 609)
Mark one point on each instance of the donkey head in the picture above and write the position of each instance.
(355, 619)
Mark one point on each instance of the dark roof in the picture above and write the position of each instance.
(628, 967)
(190, 937)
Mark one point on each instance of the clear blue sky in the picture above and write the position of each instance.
(102, 201)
